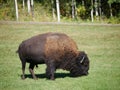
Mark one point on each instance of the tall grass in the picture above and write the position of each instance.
(102, 44)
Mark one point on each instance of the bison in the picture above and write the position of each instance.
(57, 51)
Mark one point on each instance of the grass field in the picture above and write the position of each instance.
(101, 42)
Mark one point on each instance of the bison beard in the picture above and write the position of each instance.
(57, 51)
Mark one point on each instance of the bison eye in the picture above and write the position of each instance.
(85, 64)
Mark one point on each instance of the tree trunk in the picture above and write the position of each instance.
(110, 10)
(92, 19)
(83, 3)
(100, 11)
(53, 10)
(32, 7)
(73, 9)
(28, 5)
(16, 9)
(96, 8)
(23, 4)
(58, 10)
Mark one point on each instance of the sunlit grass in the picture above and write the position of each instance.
(102, 44)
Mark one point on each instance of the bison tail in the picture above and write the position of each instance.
(17, 51)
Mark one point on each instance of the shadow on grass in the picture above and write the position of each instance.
(57, 75)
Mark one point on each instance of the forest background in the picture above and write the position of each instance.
(101, 11)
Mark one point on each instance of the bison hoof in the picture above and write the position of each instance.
(23, 77)
(35, 78)
(52, 78)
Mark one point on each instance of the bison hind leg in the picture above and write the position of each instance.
(31, 67)
(23, 61)
(23, 69)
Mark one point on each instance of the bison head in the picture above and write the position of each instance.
(81, 66)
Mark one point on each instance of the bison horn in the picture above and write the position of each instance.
(82, 59)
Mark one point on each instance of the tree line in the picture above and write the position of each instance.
(70, 9)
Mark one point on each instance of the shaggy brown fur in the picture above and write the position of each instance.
(60, 48)
(56, 50)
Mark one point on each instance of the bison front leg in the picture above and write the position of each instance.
(31, 67)
(50, 70)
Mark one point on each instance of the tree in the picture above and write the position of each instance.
(83, 3)
(53, 9)
(58, 10)
(100, 11)
(110, 2)
(73, 9)
(92, 19)
(23, 4)
(28, 5)
(32, 8)
(16, 9)
(110, 10)
(83, 9)
(96, 8)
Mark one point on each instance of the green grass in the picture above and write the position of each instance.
(102, 44)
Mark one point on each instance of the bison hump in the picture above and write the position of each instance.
(57, 45)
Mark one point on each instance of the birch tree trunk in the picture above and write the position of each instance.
(73, 9)
(32, 7)
(83, 3)
(23, 4)
(58, 10)
(100, 11)
(53, 10)
(96, 8)
(16, 9)
(92, 19)
(28, 5)
(110, 10)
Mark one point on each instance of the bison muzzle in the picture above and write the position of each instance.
(57, 51)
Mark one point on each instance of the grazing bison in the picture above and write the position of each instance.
(57, 51)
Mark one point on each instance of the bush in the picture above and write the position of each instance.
(81, 11)
(7, 12)
(114, 20)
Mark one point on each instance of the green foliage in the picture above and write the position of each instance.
(7, 10)
(43, 10)
(81, 11)
(41, 13)
(113, 1)
(65, 9)
(99, 41)
(114, 20)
